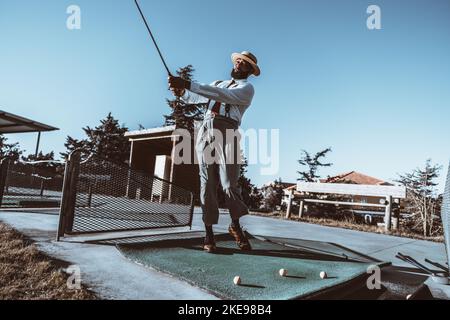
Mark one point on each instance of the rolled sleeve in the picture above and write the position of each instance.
(193, 98)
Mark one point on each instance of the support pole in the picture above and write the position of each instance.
(67, 210)
(395, 222)
(300, 210)
(90, 190)
(396, 215)
(41, 194)
(131, 185)
(289, 206)
(172, 166)
(74, 171)
(388, 214)
(37, 144)
(3, 174)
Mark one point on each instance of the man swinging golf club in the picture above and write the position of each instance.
(226, 103)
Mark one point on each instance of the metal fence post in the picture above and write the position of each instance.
(61, 224)
(41, 193)
(3, 174)
(74, 170)
(67, 210)
(191, 211)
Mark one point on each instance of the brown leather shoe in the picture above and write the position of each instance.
(209, 246)
(240, 238)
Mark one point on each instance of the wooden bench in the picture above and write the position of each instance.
(389, 193)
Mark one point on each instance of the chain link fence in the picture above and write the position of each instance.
(445, 213)
(102, 196)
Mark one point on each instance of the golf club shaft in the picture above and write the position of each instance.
(323, 252)
(437, 265)
(153, 38)
(418, 263)
(414, 263)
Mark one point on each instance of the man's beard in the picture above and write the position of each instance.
(238, 75)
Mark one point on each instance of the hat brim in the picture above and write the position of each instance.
(256, 70)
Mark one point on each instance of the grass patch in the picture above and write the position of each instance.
(28, 274)
(351, 224)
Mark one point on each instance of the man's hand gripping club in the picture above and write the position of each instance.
(178, 85)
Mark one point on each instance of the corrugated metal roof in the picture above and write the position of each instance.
(11, 123)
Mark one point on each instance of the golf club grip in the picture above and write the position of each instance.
(153, 38)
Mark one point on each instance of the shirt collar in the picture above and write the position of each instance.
(240, 80)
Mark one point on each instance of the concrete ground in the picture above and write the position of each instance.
(111, 276)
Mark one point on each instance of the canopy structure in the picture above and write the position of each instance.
(11, 123)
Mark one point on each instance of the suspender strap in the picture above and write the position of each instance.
(216, 108)
(215, 84)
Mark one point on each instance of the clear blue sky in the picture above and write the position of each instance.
(379, 98)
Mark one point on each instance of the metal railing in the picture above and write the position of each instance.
(30, 184)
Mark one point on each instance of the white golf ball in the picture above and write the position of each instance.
(237, 280)
(323, 275)
(283, 272)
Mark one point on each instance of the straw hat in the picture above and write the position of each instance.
(250, 58)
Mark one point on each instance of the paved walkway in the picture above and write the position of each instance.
(109, 274)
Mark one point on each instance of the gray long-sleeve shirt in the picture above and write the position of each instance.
(238, 96)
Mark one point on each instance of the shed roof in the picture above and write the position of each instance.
(11, 123)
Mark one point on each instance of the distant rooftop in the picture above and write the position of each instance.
(283, 184)
(351, 177)
(151, 131)
(11, 123)
(355, 178)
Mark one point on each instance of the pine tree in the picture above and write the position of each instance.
(423, 200)
(107, 141)
(274, 194)
(41, 157)
(73, 144)
(249, 193)
(256, 199)
(245, 184)
(47, 168)
(9, 150)
(184, 115)
(313, 164)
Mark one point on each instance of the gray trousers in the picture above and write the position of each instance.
(218, 155)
